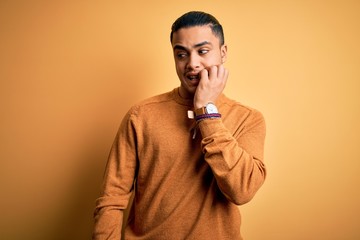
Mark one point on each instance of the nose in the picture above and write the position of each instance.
(194, 62)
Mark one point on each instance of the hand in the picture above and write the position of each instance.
(211, 85)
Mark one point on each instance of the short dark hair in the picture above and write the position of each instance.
(197, 18)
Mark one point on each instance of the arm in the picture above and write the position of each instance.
(236, 161)
(118, 183)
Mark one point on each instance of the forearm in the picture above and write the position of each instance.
(108, 223)
(109, 209)
(117, 186)
(236, 161)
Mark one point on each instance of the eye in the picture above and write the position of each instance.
(203, 51)
(181, 55)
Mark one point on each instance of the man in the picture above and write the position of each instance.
(188, 173)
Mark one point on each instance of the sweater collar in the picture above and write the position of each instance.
(181, 100)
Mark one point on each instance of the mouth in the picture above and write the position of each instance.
(194, 77)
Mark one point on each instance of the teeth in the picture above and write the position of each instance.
(192, 77)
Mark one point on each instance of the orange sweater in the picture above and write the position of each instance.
(185, 188)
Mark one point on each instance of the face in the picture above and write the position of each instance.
(195, 48)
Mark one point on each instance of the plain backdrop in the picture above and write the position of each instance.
(69, 70)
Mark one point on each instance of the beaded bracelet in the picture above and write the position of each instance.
(205, 116)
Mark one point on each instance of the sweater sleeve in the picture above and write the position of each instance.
(236, 160)
(117, 185)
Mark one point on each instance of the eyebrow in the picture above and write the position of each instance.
(201, 44)
(179, 47)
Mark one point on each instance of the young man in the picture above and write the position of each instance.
(188, 172)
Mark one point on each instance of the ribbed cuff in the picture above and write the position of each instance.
(210, 126)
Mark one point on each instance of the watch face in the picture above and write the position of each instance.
(211, 108)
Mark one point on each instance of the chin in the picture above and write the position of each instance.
(191, 89)
(188, 91)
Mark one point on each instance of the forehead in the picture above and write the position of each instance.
(191, 36)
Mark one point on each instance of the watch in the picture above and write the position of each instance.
(210, 108)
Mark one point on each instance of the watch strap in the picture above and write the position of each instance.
(200, 111)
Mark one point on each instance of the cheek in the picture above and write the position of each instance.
(215, 59)
(179, 67)
(210, 61)
(178, 70)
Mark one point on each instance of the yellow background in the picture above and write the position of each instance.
(70, 69)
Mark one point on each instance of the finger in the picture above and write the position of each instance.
(204, 74)
(213, 72)
(221, 72)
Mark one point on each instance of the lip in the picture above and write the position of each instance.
(192, 82)
(193, 74)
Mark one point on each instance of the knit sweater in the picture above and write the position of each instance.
(188, 178)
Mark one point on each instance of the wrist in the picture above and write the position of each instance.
(199, 118)
(199, 105)
(209, 108)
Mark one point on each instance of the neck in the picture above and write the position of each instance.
(184, 94)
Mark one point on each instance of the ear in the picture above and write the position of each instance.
(223, 51)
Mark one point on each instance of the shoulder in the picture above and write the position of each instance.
(151, 104)
(238, 115)
(231, 106)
